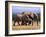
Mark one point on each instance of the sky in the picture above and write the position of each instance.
(20, 9)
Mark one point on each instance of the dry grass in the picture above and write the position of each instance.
(28, 27)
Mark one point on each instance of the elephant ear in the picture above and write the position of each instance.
(36, 15)
(32, 14)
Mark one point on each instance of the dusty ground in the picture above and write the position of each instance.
(28, 27)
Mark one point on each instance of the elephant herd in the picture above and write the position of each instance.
(25, 19)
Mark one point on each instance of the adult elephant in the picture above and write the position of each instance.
(33, 17)
(36, 18)
(24, 19)
(17, 19)
(27, 19)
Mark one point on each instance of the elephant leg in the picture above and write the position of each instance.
(32, 23)
(18, 23)
(25, 23)
(14, 23)
(22, 23)
(37, 20)
(29, 22)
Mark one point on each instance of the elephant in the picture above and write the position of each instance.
(25, 19)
